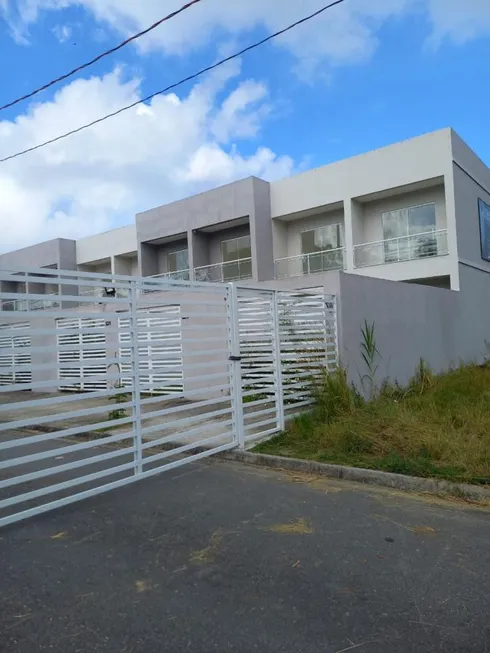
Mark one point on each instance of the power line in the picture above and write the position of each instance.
(172, 86)
(100, 56)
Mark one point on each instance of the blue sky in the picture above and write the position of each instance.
(363, 76)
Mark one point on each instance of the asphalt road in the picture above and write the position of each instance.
(221, 557)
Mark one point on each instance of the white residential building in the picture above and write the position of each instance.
(406, 212)
(416, 212)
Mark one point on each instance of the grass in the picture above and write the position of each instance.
(439, 426)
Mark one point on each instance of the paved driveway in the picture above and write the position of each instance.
(222, 557)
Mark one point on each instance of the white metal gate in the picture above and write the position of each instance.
(77, 362)
(162, 376)
(165, 373)
(14, 353)
(285, 339)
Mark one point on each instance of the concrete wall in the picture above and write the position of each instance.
(471, 182)
(148, 260)
(245, 199)
(329, 282)
(261, 232)
(408, 162)
(410, 321)
(444, 327)
(425, 268)
(111, 243)
(199, 254)
(206, 209)
(60, 253)
(126, 265)
(472, 329)
(101, 268)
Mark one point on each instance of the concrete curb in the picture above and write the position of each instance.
(369, 476)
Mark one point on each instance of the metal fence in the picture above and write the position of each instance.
(151, 375)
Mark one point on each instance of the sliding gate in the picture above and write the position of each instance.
(125, 377)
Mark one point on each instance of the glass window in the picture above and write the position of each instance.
(322, 239)
(422, 219)
(178, 261)
(235, 254)
(399, 225)
(317, 243)
(236, 249)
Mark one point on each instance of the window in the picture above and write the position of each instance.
(235, 256)
(484, 211)
(235, 249)
(408, 233)
(317, 243)
(178, 261)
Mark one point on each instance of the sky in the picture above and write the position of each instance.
(365, 74)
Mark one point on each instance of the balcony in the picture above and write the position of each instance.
(223, 272)
(297, 266)
(178, 275)
(404, 248)
(29, 304)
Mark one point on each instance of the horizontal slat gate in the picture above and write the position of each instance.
(86, 363)
(161, 366)
(308, 344)
(14, 352)
(256, 325)
(286, 339)
(160, 373)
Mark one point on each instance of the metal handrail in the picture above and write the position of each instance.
(402, 248)
(221, 266)
(336, 264)
(180, 275)
(433, 232)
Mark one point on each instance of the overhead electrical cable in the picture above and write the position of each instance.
(99, 57)
(176, 84)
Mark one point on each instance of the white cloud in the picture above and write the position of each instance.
(62, 32)
(344, 34)
(147, 156)
(459, 20)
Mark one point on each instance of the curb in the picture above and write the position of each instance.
(369, 476)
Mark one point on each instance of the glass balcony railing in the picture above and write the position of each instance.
(404, 248)
(177, 275)
(296, 266)
(221, 272)
(29, 304)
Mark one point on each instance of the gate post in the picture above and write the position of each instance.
(279, 391)
(133, 312)
(235, 367)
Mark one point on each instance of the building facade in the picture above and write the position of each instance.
(407, 212)
(416, 212)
